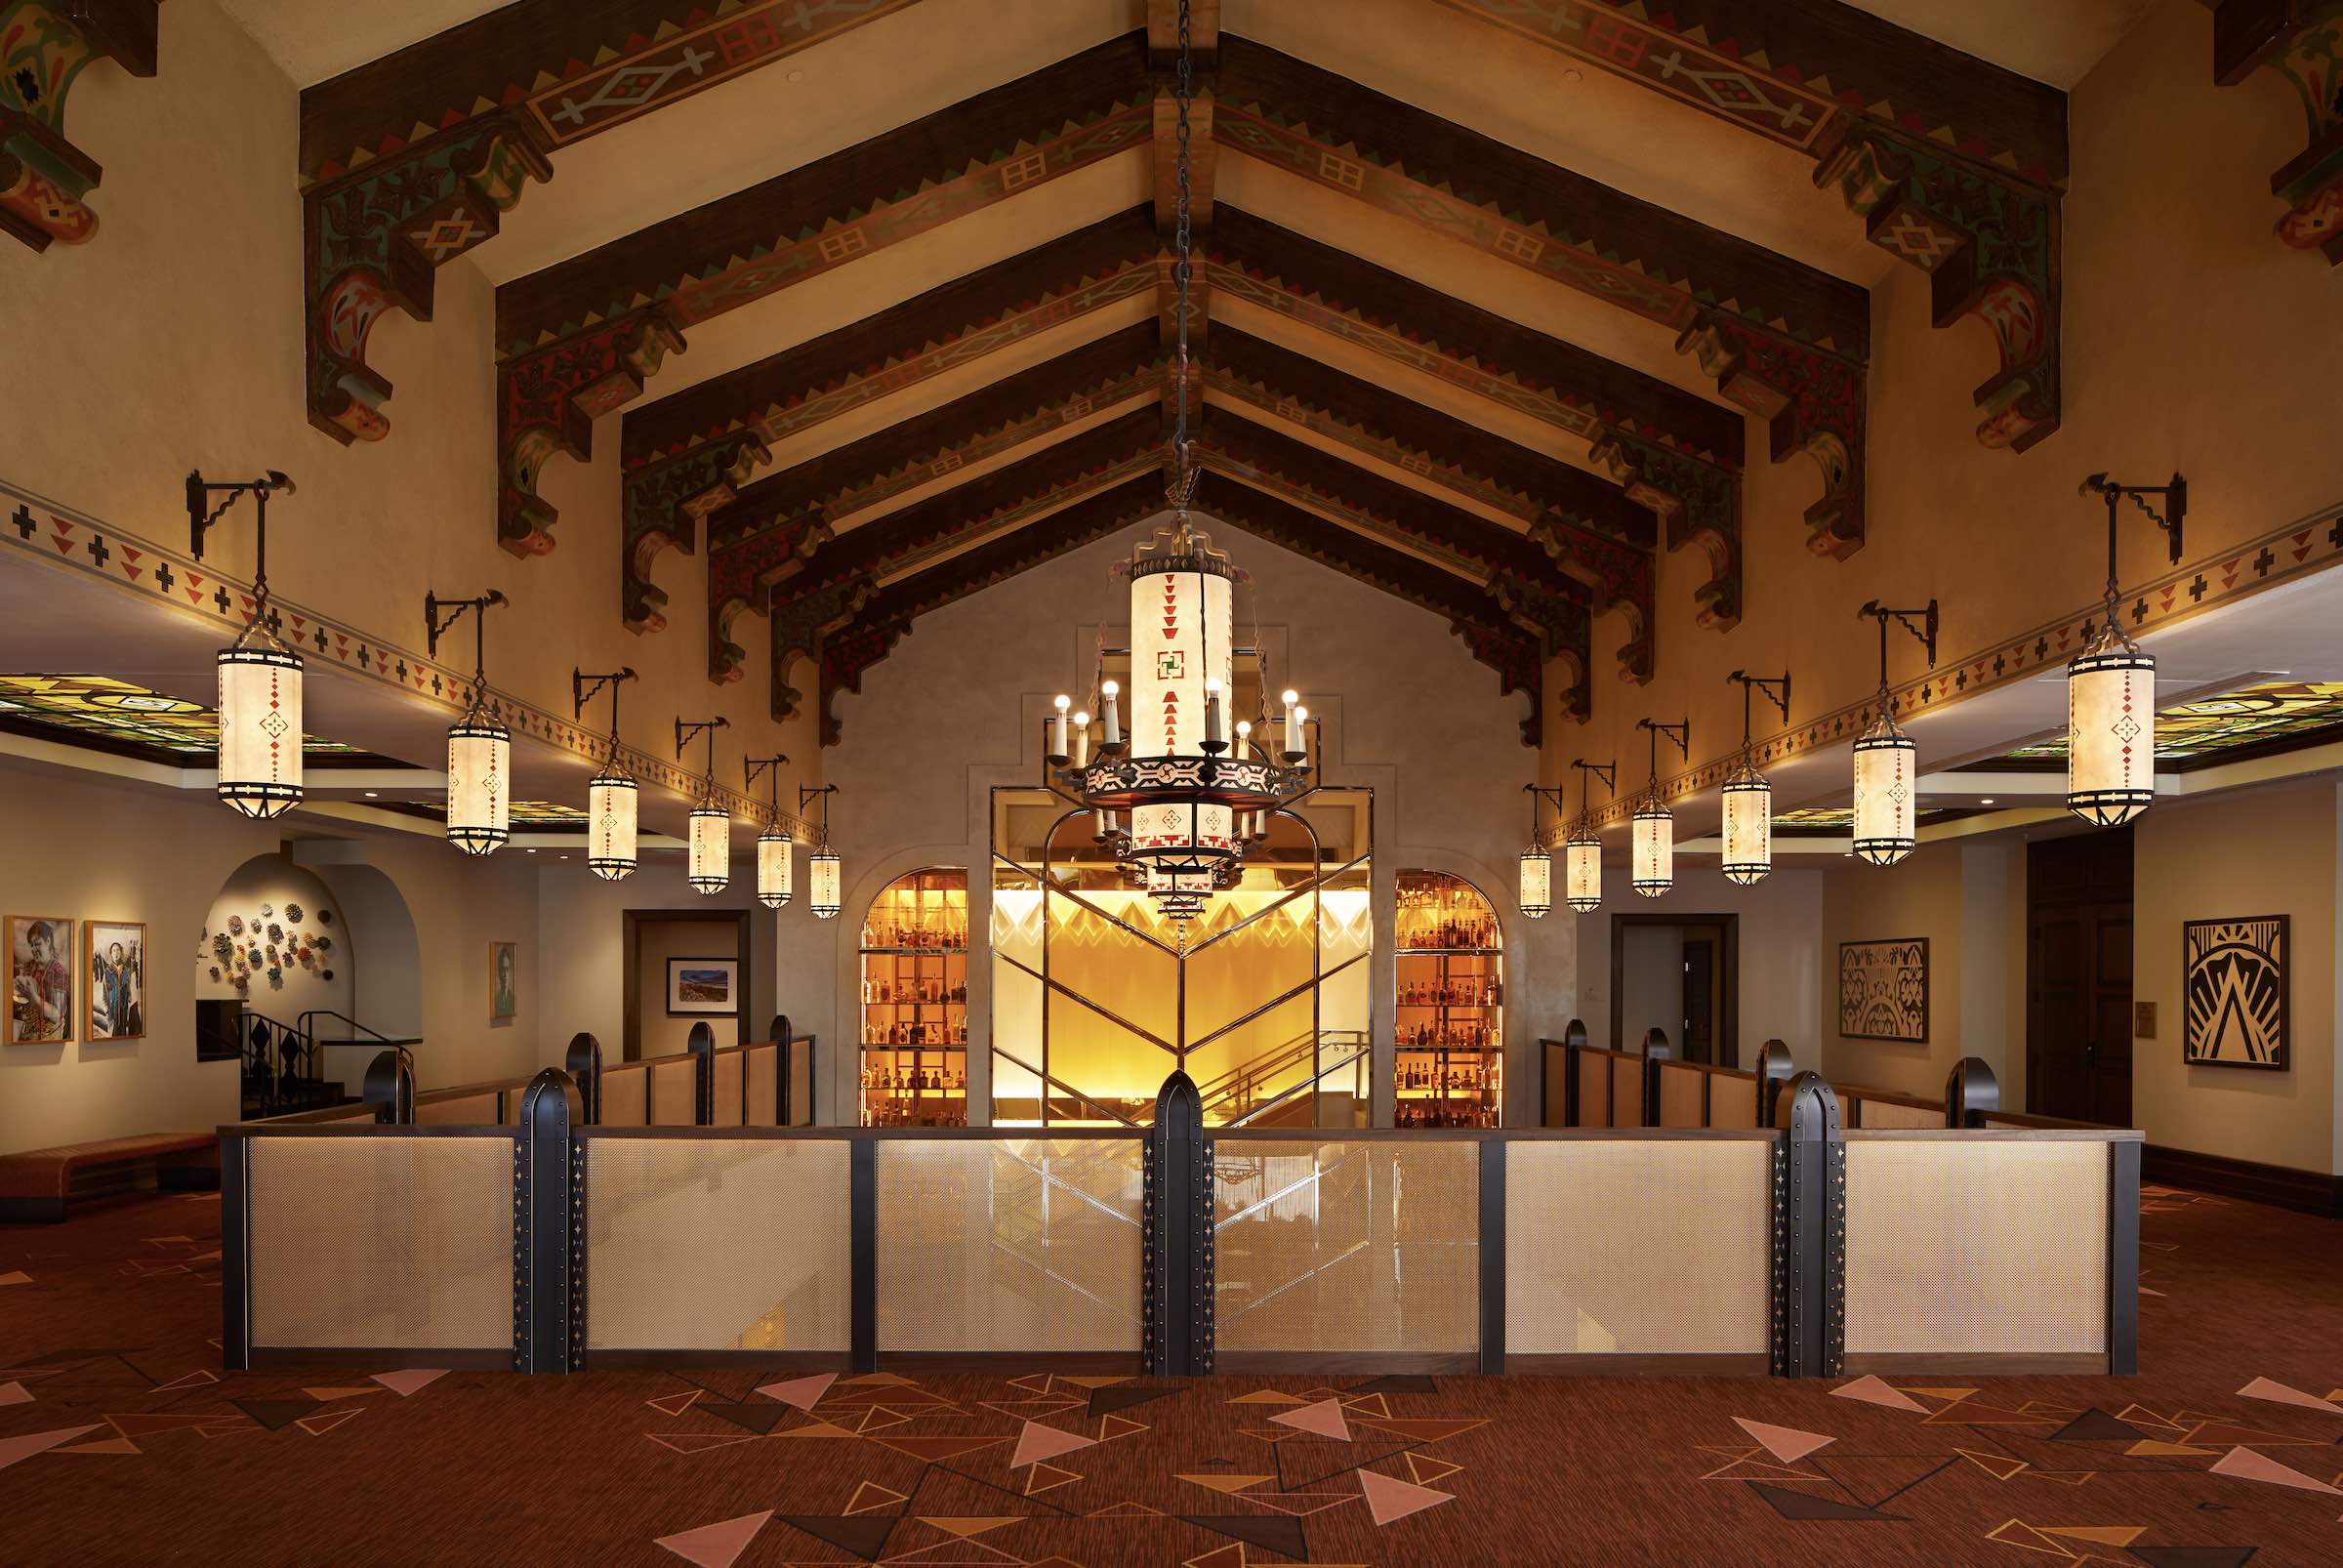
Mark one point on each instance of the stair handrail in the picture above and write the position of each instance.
(1310, 1083)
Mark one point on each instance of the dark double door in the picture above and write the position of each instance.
(2078, 977)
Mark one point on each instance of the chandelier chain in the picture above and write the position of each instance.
(1183, 480)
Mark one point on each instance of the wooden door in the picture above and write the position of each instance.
(2078, 977)
(1700, 998)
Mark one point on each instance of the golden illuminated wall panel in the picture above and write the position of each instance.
(716, 1244)
(1639, 1246)
(1333, 1247)
(1976, 1246)
(372, 1239)
(1028, 1245)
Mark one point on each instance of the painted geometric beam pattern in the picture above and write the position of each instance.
(1784, 340)
(45, 46)
(1671, 451)
(568, 333)
(2302, 41)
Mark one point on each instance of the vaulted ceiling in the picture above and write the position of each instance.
(1496, 299)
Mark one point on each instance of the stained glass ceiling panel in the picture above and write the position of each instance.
(100, 706)
(2249, 716)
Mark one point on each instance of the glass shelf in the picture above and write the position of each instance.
(1448, 1068)
(914, 941)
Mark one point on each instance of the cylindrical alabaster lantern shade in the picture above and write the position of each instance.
(1749, 827)
(1582, 871)
(610, 824)
(1537, 882)
(821, 884)
(710, 865)
(260, 731)
(1887, 766)
(774, 867)
(1655, 850)
(479, 786)
(2111, 735)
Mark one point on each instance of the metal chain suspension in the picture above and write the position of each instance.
(1183, 483)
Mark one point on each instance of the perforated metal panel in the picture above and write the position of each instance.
(626, 1095)
(675, 1081)
(1594, 1091)
(1627, 1091)
(470, 1110)
(1341, 1247)
(727, 1080)
(1976, 1246)
(716, 1244)
(1680, 1095)
(1637, 1247)
(1881, 1113)
(764, 1067)
(382, 1240)
(1733, 1099)
(1010, 1245)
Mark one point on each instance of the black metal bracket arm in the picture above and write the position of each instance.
(1775, 688)
(1680, 732)
(2175, 497)
(1923, 632)
(688, 730)
(202, 514)
(808, 794)
(753, 768)
(437, 625)
(581, 692)
(1608, 772)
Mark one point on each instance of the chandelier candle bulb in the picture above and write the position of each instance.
(1289, 722)
(1081, 756)
(1057, 730)
(1111, 741)
(1212, 714)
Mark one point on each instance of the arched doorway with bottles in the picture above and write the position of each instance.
(913, 1034)
(1448, 1025)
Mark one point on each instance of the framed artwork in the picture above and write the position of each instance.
(113, 957)
(40, 980)
(1883, 990)
(697, 986)
(504, 1001)
(2236, 992)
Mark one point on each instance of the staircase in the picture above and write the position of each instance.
(1273, 1087)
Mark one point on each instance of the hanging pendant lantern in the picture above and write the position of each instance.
(774, 846)
(259, 678)
(1655, 849)
(1537, 882)
(611, 797)
(822, 883)
(2111, 733)
(1749, 826)
(708, 831)
(479, 748)
(1583, 871)
(1887, 761)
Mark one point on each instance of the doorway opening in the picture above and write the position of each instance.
(684, 966)
(2078, 921)
(1679, 974)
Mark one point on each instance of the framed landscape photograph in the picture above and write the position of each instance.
(702, 985)
(40, 981)
(1883, 990)
(2236, 992)
(503, 1002)
(113, 964)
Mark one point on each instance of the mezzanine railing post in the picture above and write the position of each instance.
(1810, 1233)
(779, 1035)
(2124, 1258)
(700, 1043)
(584, 1063)
(1774, 1070)
(1970, 1092)
(390, 1088)
(862, 1253)
(1177, 1277)
(548, 1229)
(235, 1253)
(1491, 1251)
(1656, 1050)
(1573, 1040)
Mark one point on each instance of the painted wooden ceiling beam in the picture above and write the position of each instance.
(43, 177)
(2302, 41)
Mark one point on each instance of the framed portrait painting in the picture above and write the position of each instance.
(1883, 990)
(504, 991)
(113, 966)
(2236, 991)
(40, 980)
(698, 987)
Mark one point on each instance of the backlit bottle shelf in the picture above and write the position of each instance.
(915, 1002)
(1448, 1068)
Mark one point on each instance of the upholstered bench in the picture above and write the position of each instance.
(38, 1184)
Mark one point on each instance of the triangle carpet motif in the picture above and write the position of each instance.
(716, 1545)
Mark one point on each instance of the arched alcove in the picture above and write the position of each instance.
(388, 995)
(277, 939)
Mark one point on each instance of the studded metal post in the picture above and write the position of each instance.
(584, 1062)
(701, 1044)
(1970, 1093)
(548, 1231)
(1810, 1233)
(1177, 1250)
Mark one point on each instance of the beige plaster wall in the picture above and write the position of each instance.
(661, 940)
(2261, 851)
(174, 341)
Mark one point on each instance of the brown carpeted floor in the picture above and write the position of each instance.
(121, 1442)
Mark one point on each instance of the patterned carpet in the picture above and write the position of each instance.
(120, 1442)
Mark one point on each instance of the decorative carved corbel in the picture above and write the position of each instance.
(45, 45)
(664, 503)
(1990, 245)
(801, 625)
(1812, 402)
(2302, 40)
(373, 237)
(547, 400)
(1698, 504)
(1622, 583)
(845, 658)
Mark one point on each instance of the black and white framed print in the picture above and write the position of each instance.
(2238, 1013)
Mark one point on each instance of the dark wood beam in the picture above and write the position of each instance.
(532, 56)
(1671, 451)
(2302, 41)
(1785, 339)
(1794, 71)
(1514, 653)
(44, 49)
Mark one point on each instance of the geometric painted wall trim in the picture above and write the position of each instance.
(45, 45)
(167, 578)
(2302, 40)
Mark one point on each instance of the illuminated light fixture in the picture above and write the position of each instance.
(1887, 761)
(821, 866)
(1178, 807)
(260, 677)
(1537, 892)
(709, 834)
(479, 748)
(2111, 685)
(1654, 866)
(775, 867)
(1749, 797)
(1582, 856)
(611, 797)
